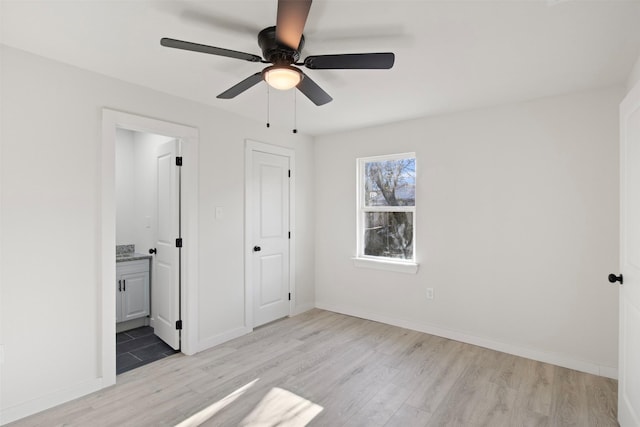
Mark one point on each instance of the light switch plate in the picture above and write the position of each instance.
(429, 293)
(219, 212)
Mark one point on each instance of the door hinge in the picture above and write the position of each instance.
(179, 325)
(179, 161)
(289, 296)
(289, 173)
(179, 242)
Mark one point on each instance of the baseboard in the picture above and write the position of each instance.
(132, 324)
(529, 353)
(42, 403)
(302, 308)
(609, 372)
(222, 338)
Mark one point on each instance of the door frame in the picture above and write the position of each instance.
(251, 147)
(112, 120)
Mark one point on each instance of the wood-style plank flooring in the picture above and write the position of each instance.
(326, 369)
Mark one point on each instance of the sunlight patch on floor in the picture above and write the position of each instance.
(281, 408)
(208, 412)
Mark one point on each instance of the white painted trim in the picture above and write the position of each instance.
(56, 398)
(250, 147)
(360, 260)
(106, 257)
(248, 229)
(529, 353)
(608, 372)
(215, 340)
(111, 120)
(381, 264)
(190, 235)
(2, 357)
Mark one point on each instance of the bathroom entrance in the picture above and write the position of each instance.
(178, 312)
(148, 245)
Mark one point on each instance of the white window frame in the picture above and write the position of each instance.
(377, 262)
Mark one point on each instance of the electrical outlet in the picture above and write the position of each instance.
(429, 293)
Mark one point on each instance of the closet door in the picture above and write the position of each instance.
(629, 342)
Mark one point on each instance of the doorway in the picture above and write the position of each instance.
(269, 233)
(147, 256)
(188, 264)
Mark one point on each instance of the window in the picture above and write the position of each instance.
(386, 209)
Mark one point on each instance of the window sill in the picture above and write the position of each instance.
(399, 267)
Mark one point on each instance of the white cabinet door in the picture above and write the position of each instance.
(132, 290)
(135, 292)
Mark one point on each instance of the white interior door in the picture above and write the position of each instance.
(165, 285)
(270, 225)
(629, 351)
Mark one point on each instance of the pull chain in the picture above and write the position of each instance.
(295, 111)
(268, 106)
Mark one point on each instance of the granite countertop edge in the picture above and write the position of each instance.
(131, 257)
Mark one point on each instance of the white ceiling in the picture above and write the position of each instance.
(450, 55)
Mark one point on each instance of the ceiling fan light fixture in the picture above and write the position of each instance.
(282, 77)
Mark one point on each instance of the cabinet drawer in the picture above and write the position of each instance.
(138, 266)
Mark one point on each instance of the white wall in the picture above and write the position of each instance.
(125, 190)
(517, 228)
(136, 192)
(144, 182)
(51, 130)
(634, 75)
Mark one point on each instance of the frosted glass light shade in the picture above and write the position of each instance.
(282, 77)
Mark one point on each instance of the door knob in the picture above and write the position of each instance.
(153, 251)
(613, 278)
(257, 249)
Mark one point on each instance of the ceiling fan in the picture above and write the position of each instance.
(281, 46)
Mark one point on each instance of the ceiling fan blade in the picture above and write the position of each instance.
(352, 61)
(312, 91)
(292, 15)
(236, 90)
(203, 48)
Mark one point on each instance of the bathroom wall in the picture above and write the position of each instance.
(136, 193)
(125, 192)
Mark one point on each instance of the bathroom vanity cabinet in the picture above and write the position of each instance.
(132, 290)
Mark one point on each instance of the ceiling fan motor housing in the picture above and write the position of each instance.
(275, 52)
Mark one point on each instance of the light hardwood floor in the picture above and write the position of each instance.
(326, 369)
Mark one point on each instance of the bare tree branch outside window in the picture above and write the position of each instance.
(388, 183)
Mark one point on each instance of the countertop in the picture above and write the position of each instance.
(131, 256)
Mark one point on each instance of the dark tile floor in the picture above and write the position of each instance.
(138, 347)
